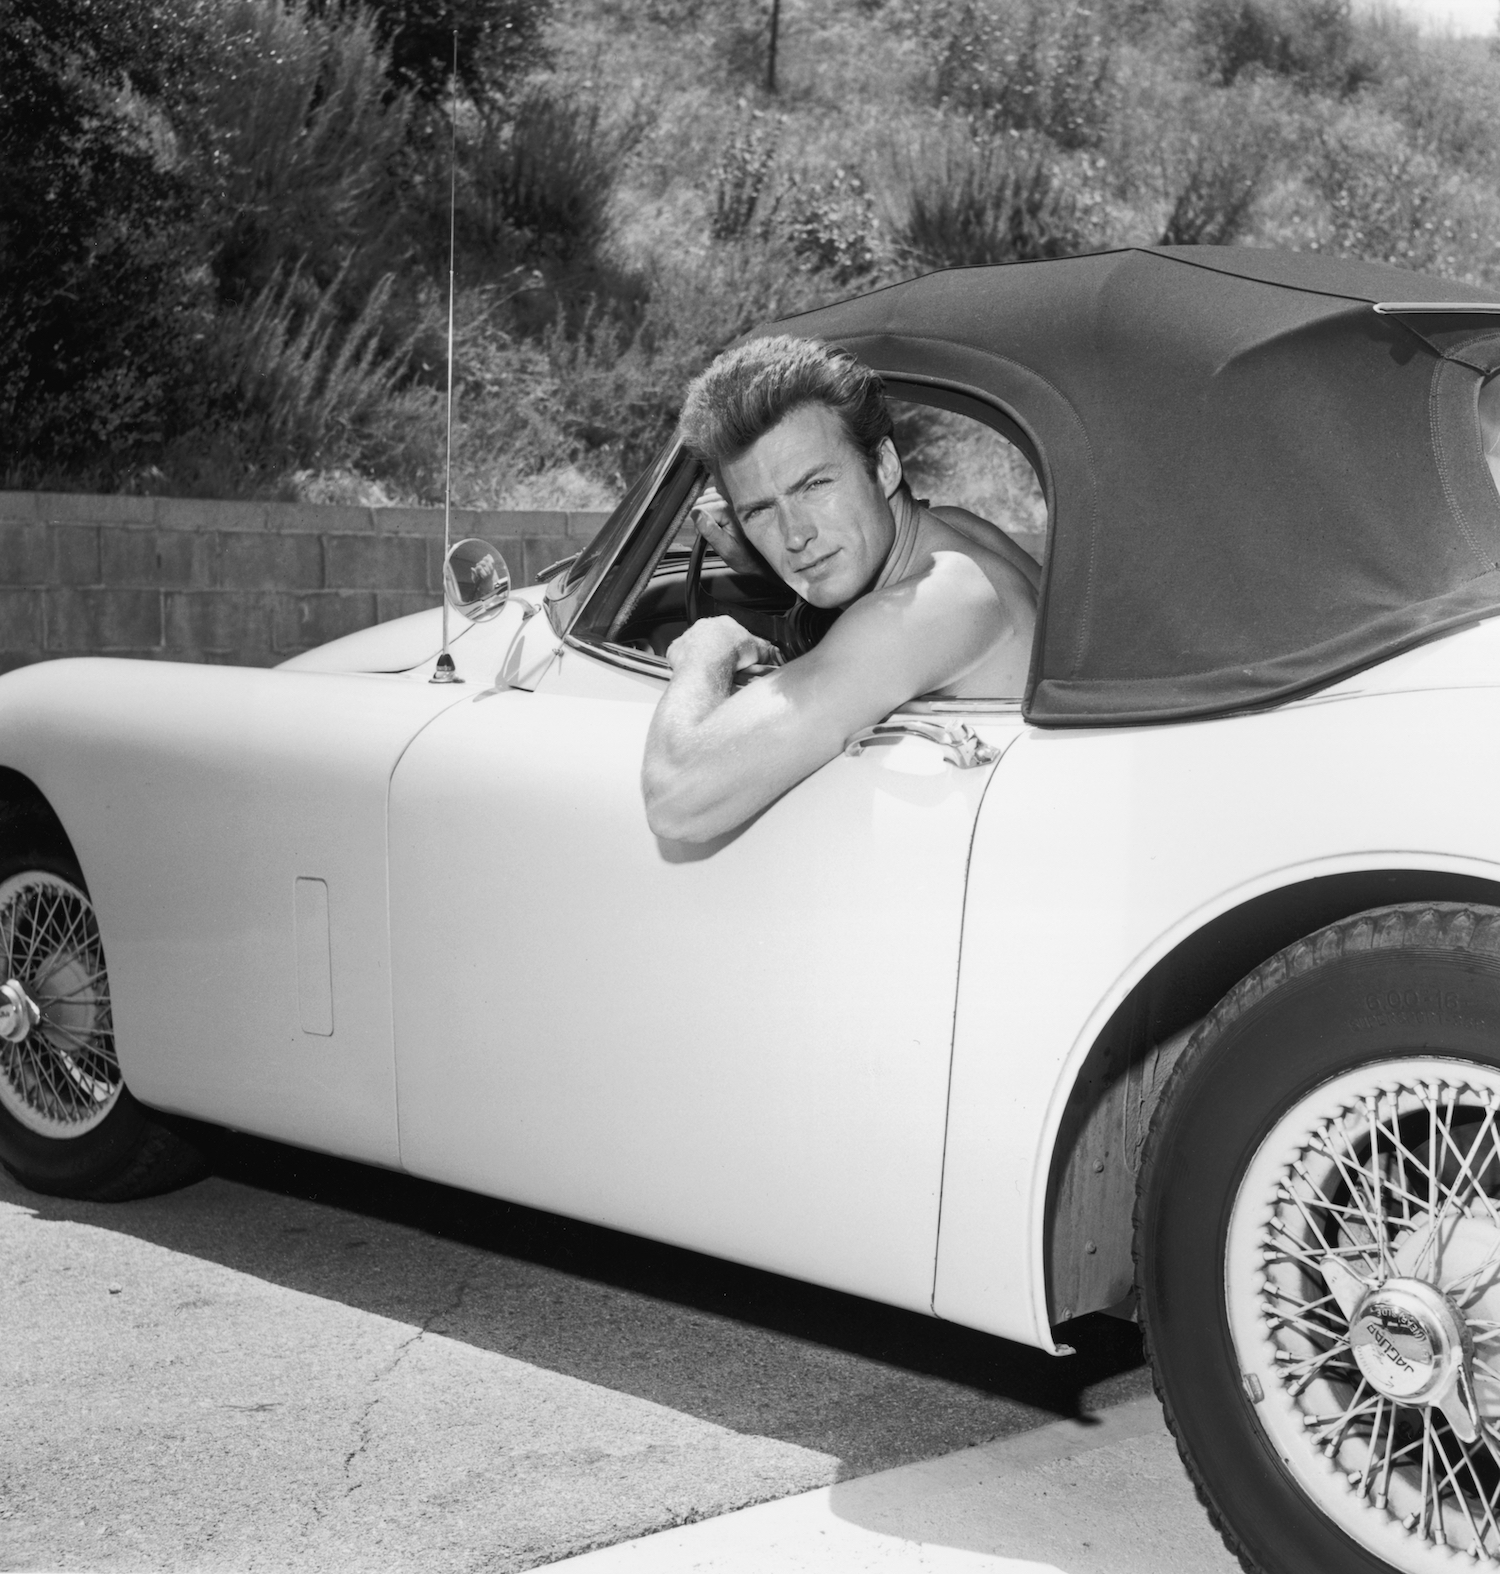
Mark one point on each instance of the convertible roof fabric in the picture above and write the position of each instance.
(1257, 483)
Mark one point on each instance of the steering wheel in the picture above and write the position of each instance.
(692, 589)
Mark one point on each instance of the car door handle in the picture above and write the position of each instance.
(961, 745)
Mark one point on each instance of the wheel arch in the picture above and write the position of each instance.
(18, 791)
(1096, 1157)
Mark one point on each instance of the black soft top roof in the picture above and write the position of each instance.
(1257, 482)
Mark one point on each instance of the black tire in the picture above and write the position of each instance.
(123, 1153)
(1365, 1003)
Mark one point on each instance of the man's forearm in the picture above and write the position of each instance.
(683, 774)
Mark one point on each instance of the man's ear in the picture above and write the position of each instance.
(888, 470)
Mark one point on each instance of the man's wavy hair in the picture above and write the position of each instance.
(754, 386)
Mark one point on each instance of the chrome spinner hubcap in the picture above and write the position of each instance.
(19, 1013)
(1408, 1339)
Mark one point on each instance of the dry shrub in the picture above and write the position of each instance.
(299, 128)
(1388, 201)
(299, 387)
(741, 181)
(833, 225)
(1223, 146)
(975, 197)
(1027, 65)
(552, 169)
(1312, 42)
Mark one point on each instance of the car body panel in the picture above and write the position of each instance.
(195, 798)
(741, 1048)
(1097, 851)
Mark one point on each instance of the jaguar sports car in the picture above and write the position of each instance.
(1169, 987)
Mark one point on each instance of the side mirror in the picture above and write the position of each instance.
(476, 582)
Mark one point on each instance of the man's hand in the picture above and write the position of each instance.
(718, 648)
(716, 523)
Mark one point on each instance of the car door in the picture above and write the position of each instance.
(742, 1047)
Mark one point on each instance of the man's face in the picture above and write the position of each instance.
(809, 505)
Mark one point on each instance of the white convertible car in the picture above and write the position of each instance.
(1170, 986)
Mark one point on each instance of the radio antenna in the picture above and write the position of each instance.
(445, 672)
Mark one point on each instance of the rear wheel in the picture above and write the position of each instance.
(68, 1124)
(1318, 1249)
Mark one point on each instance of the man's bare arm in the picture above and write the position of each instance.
(716, 755)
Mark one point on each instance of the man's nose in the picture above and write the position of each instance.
(797, 529)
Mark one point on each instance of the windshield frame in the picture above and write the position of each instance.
(568, 594)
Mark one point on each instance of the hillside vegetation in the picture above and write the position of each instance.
(224, 223)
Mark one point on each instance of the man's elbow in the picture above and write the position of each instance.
(671, 813)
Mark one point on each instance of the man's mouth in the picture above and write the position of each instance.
(806, 570)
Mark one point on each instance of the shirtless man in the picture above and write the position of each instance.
(798, 438)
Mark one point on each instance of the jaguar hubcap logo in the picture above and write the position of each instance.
(1406, 1338)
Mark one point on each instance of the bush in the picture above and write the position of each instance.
(989, 198)
(552, 171)
(1027, 65)
(296, 386)
(1216, 162)
(499, 41)
(99, 295)
(832, 226)
(741, 177)
(1387, 201)
(1313, 42)
(299, 137)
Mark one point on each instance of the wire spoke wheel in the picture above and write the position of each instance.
(61, 1078)
(1362, 1289)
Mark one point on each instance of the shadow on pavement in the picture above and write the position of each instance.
(746, 1349)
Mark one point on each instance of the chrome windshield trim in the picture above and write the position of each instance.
(621, 656)
(1460, 308)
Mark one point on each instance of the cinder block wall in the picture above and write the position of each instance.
(253, 583)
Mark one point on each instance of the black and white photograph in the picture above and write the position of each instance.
(749, 786)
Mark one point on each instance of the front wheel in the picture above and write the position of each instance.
(68, 1124)
(1318, 1249)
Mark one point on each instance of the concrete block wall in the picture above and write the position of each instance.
(251, 583)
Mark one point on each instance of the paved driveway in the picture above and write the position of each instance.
(301, 1363)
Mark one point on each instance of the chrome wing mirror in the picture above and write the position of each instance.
(476, 581)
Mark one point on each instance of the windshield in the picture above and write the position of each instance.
(568, 592)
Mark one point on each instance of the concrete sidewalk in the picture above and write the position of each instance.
(1107, 1496)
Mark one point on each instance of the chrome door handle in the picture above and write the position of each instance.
(961, 745)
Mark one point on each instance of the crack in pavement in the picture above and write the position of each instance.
(362, 1427)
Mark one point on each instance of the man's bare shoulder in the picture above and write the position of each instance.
(990, 538)
(965, 612)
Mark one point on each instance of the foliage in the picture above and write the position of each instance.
(97, 289)
(988, 198)
(298, 138)
(291, 378)
(741, 176)
(552, 171)
(498, 42)
(1216, 163)
(832, 226)
(1310, 41)
(1388, 201)
(1028, 65)
(224, 223)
